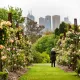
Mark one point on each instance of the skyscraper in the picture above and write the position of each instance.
(55, 21)
(66, 20)
(75, 21)
(30, 16)
(48, 23)
(41, 21)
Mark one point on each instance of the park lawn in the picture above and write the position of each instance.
(45, 72)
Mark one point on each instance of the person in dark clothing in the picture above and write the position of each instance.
(53, 57)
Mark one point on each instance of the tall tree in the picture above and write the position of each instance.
(16, 15)
(3, 14)
(56, 31)
(63, 28)
(33, 30)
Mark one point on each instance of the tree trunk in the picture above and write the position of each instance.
(0, 62)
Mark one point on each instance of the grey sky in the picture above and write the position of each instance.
(41, 8)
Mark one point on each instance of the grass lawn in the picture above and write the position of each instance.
(45, 72)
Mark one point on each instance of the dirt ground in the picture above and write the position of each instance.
(15, 75)
(65, 68)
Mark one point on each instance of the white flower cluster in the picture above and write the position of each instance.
(4, 24)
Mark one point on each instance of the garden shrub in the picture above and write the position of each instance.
(40, 57)
(78, 68)
(45, 43)
(45, 57)
(3, 76)
(37, 58)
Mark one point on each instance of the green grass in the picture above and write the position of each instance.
(45, 72)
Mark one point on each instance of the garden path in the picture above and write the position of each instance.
(46, 72)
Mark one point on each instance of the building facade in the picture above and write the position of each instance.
(55, 21)
(41, 21)
(66, 20)
(48, 23)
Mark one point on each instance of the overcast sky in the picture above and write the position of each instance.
(41, 8)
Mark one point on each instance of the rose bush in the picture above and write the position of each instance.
(68, 49)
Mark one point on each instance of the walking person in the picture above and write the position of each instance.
(53, 57)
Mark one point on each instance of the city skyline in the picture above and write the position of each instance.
(40, 8)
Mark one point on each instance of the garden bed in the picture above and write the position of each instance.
(16, 74)
(65, 68)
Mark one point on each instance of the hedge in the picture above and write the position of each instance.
(3, 76)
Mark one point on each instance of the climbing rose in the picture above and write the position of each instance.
(79, 27)
(8, 23)
(8, 49)
(3, 57)
(2, 53)
(5, 23)
(2, 47)
(1, 27)
(11, 40)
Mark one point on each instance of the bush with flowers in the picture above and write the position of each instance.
(78, 67)
(68, 49)
(4, 29)
(15, 50)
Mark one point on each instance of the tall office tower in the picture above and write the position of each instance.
(48, 23)
(56, 21)
(75, 24)
(66, 20)
(41, 21)
(30, 16)
(75, 21)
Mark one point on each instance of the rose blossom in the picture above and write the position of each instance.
(1, 47)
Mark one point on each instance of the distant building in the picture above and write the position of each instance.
(66, 20)
(75, 21)
(75, 24)
(41, 21)
(48, 23)
(55, 21)
(30, 16)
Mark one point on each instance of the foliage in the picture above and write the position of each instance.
(40, 57)
(33, 30)
(62, 27)
(16, 15)
(68, 49)
(3, 14)
(15, 50)
(4, 26)
(3, 76)
(45, 57)
(56, 31)
(78, 68)
(37, 58)
(45, 43)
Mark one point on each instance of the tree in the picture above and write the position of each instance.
(3, 14)
(33, 30)
(16, 15)
(56, 31)
(63, 28)
(45, 43)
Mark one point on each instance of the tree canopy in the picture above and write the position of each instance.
(16, 14)
(45, 43)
